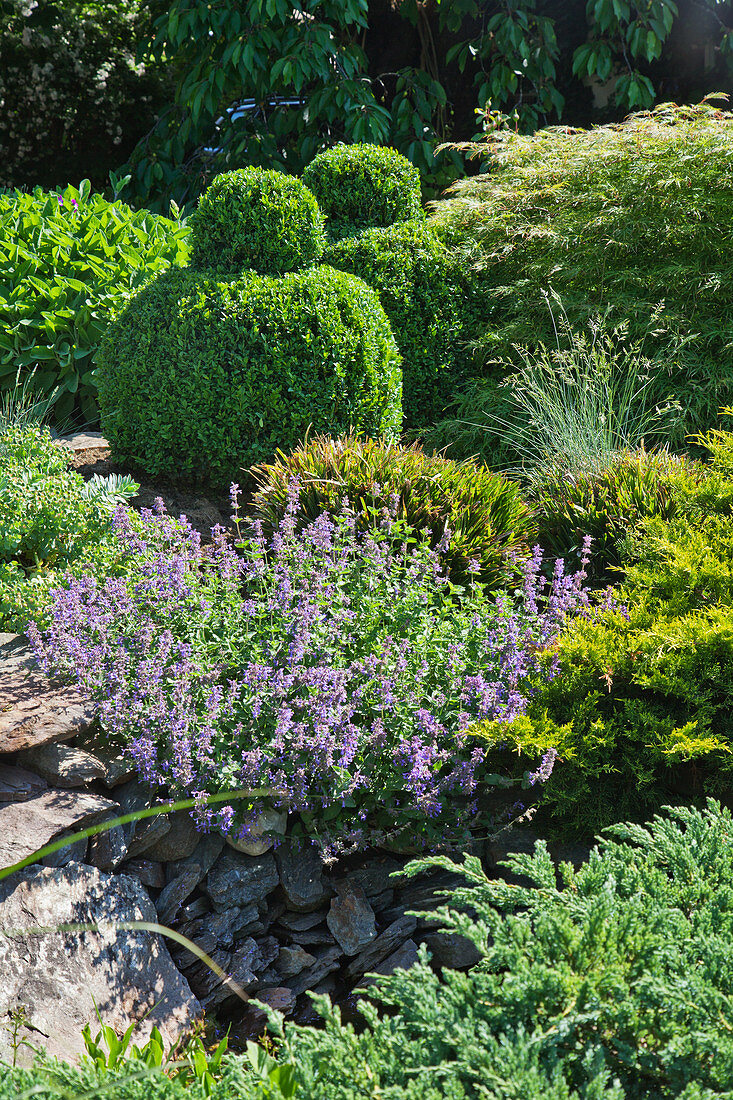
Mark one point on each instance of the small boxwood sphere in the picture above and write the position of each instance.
(257, 220)
(200, 377)
(358, 186)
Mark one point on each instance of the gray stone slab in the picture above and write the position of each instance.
(27, 826)
(65, 978)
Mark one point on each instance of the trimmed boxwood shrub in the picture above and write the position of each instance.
(429, 305)
(259, 220)
(488, 520)
(200, 377)
(358, 186)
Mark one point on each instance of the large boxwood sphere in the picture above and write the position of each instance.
(358, 186)
(200, 377)
(259, 220)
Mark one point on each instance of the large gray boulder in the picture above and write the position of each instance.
(64, 977)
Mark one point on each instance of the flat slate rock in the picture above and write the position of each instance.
(301, 876)
(63, 765)
(27, 826)
(64, 978)
(351, 920)
(33, 710)
(238, 879)
(18, 785)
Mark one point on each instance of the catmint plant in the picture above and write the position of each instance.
(340, 670)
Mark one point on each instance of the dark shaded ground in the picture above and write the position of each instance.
(204, 508)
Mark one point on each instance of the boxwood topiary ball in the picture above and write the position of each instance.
(358, 186)
(199, 377)
(258, 220)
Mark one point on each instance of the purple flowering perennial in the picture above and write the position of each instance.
(331, 668)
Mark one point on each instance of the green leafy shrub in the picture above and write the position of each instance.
(255, 219)
(75, 100)
(67, 263)
(134, 1080)
(358, 186)
(488, 520)
(199, 378)
(637, 215)
(50, 519)
(430, 306)
(612, 982)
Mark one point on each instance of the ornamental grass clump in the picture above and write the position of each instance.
(335, 669)
(489, 521)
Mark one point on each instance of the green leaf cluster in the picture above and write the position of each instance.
(264, 221)
(199, 378)
(631, 221)
(433, 309)
(50, 520)
(68, 261)
(359, 186)
(488, 520)
(606, 504)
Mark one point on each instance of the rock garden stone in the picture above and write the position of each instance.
(237, 879)
(175, 893)
(33, 710)
(383, 945)
(27, 826)
(179, 842)
(227, 925)
(65, 978)
(199, 907)
(351, 919)
(80, 442)
(204, 855)
(72, 853)
(18, 784)
(327, 960)
(108, 850)
(291, 960)
(143, 834)
(117, 768)
(63, 765)
(374, 876)
(269, 821)
(301, 922)
(451, 950)
(403, 958)
(301, 877)
(315, 936)
(253, 1019)
(147, 872)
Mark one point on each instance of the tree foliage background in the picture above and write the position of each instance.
(188, 88)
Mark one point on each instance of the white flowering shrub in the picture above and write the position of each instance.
(73, 100)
